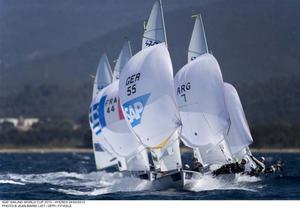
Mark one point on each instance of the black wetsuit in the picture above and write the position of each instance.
(230, 168)
(197, 166)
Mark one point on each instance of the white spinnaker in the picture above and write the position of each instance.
(198, 43)
(116, 131)
(155, 29)
(146, 90)
(203, 113)
(123, 58)
(103, 75)
(168, 157)
(239, 136)
(104, 156)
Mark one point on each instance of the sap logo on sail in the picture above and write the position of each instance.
(151, 43)
(134, 108)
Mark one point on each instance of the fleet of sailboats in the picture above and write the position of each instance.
(141, 111)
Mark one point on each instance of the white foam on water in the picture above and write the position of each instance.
(246, 178)
(11, 182)
(93, 183)
(101, 182)
(209, 183)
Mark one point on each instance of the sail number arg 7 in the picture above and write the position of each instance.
(182, 89)
(131, 83)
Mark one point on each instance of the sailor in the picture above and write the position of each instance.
(280, 166)
(260, 166)
(270, 169)
(196, 165)
(231, 168)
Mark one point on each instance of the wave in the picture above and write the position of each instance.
(101, 182)
(11, 182)
(93, 183)
(209, 183)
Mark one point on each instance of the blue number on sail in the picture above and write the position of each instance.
(151, 43)
(134, 109)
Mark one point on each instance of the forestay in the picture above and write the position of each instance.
(155, 29)
(147, 95)
(239, 136)
(204, 117)
(116, 131)
(198, 43)
(123, 58)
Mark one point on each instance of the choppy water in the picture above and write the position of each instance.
(73, 176)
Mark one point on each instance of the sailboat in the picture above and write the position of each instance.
(108, 125)
(104, 156)
(239, 136)
(200, 98)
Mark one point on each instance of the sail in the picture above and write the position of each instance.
(217, 154)
(198, 44)
(103, 75)
(167, 156)
(239, 136)
(103, 157)
(155, 29)
(116, 131)
(147, 95)
(200, 98)
(203, 113)
(123, 58)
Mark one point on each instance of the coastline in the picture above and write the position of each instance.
(88, 150)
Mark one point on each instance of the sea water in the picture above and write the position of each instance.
(73, 176)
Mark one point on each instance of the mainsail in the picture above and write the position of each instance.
(203, 113)
(117, 133)
(123, 58)
(155, 29)
(198, 43)
(147, 95)
(103, 75)
(239, 136)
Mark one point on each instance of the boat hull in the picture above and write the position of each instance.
(180, 180)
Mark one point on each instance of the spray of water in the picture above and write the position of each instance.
(101, 182)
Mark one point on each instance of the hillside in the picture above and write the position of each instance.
(252, 43)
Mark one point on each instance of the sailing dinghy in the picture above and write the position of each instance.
(200, 99)
(104, 156)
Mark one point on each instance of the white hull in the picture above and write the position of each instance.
(180, 180)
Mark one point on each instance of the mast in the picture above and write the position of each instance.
(163, 22)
